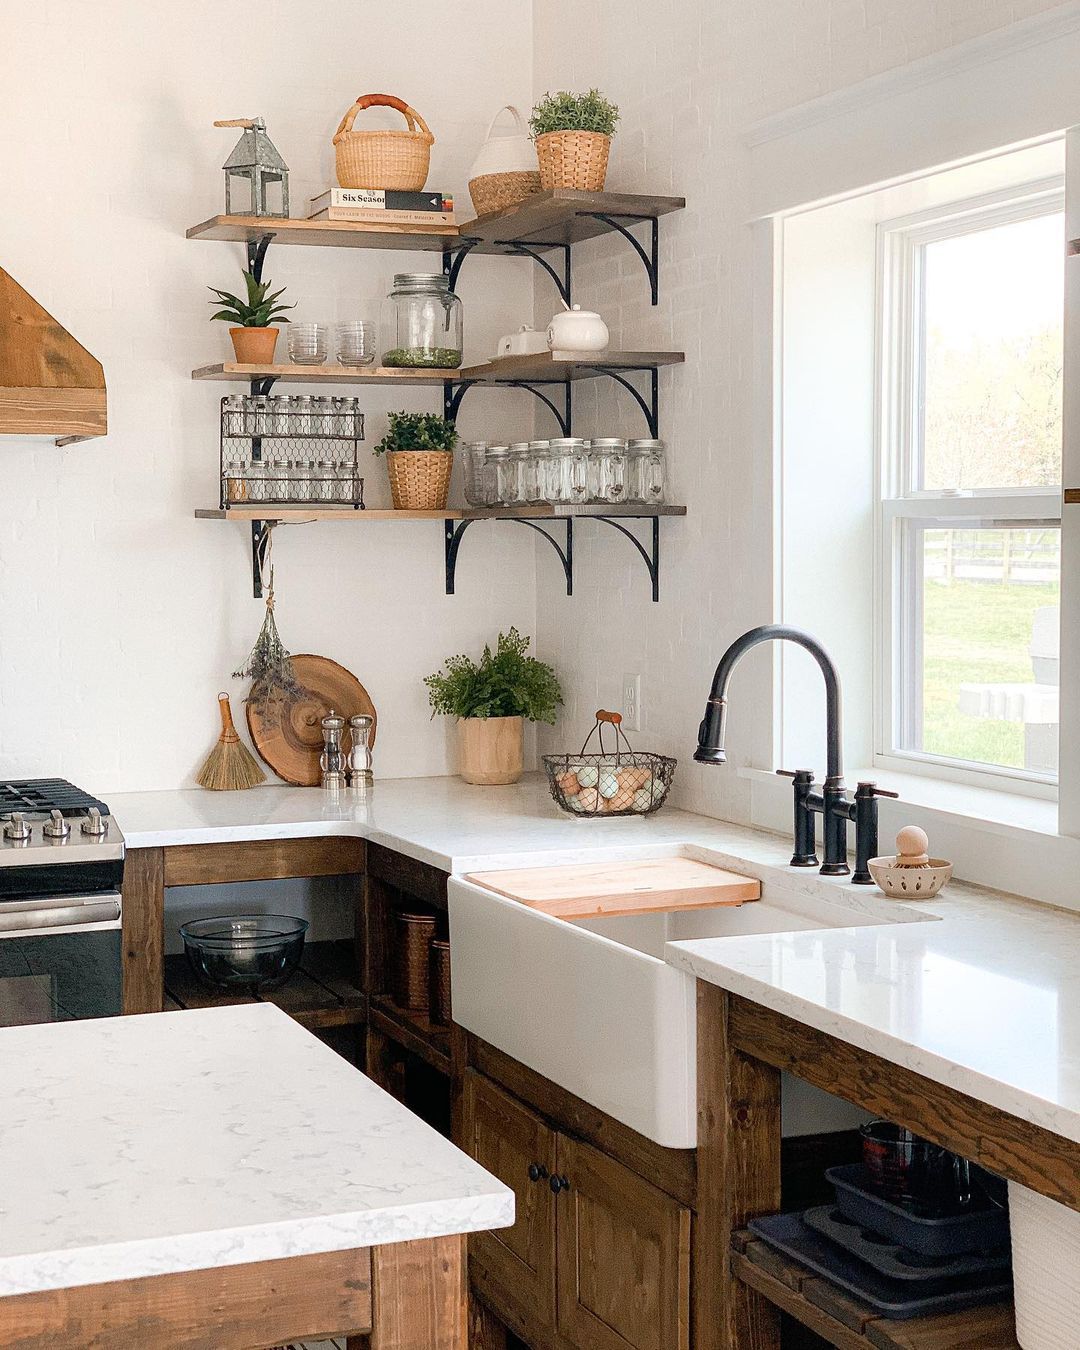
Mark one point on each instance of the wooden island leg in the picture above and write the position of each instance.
(738, 1178)
(419, 1298)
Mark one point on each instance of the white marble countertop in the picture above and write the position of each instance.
(984, 995)
(182, 1141)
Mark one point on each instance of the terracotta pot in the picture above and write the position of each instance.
(254, 346)
(491, 749)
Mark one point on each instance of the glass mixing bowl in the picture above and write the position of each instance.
(244, 951)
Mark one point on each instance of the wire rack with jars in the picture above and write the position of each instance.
(606, 470)
(297, 449)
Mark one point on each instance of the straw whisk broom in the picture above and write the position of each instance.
(230, 765)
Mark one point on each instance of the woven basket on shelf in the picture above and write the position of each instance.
(573, 159)
(440, 981)
(383, 159)
(411, 969)
(419, 479)
(497, 191)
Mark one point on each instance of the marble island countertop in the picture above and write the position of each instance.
(976, 989)
(165, 1143)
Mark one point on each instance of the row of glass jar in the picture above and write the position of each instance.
(278, 479)
(566, 470)
(292, 415)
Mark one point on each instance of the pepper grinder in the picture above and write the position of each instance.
(360, 775)
(332, 759)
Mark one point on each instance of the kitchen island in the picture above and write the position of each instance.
(221, 1179)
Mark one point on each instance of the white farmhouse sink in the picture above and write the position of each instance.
(591, 1003)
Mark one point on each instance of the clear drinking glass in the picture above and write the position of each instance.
(356, 342)
(307, 343)
(472, 463)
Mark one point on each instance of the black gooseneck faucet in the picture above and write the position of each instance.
(831, 803)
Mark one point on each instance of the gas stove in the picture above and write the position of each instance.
(48, 822)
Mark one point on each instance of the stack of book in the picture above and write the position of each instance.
(382, 206)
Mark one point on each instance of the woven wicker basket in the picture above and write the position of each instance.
(411, 970)
(573, 159)
(419, 479)
(383, 159)
(496, 191)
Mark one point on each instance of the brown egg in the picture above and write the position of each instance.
(591, 800)
(568, 782)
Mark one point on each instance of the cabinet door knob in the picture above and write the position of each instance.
(558, 1184)
(537, 1172)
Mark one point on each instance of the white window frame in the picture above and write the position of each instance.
(900, 502)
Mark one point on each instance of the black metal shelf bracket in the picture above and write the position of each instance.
(650, 558)
(256, 254)
(650, 258)
(563, 416)
(650, 406)
(452, 259)
(453, 392)
(520, 249)
(454, 530)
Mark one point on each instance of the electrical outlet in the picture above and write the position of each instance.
(631, 702)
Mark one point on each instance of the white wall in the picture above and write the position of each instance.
(120, 614)
(692, 80)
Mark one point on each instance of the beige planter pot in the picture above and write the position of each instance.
(254, 346)
(573, 159)
(491, 749)
(419, 479)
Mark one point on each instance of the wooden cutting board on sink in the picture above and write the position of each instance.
(639, 886)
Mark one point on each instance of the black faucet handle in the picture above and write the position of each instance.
(802, 776)
(866, 789)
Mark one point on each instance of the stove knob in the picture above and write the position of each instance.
(56, 827)
(17, 830)
(94, 826)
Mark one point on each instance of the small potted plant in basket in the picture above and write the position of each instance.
(492, 698)
(253, 335)
(419, 449)
(573, 139)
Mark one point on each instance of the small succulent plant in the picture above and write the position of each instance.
(259, 310)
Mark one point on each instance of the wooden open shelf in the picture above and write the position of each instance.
(322, 993)
(305, 515)
(544, 220)
(850, 1325)
(412, 1031)
(545, 368)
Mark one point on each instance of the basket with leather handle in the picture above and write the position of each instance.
(383, 158)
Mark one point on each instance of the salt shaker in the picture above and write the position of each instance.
(360, 775)
(332, 759)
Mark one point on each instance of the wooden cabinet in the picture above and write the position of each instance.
(623, 1256)
(596, 1255)
(515, 1145)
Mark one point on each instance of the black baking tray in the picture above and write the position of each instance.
(983, 1228)
(889, 1258)
(896, 1299)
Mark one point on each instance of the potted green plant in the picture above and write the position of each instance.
(492, 698)
(253, 335)
(573, 139)
(419, 450)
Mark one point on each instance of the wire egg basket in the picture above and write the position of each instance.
(622, 782)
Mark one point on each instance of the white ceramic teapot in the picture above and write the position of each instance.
(577, 330)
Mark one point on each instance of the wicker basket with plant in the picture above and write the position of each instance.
(419, 450)
(573, 139)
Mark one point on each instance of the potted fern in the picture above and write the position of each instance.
(253, 335)
(419, 450)
(573, 139)
(492, 698)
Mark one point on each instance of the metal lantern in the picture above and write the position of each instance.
(256, 160)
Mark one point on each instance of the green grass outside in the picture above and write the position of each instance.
(976, 632)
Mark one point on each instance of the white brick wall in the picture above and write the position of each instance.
(690, 78)
(120, 615)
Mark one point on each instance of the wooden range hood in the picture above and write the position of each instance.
(49, 384)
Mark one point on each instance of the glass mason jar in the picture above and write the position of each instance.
(536, 471)
(494, 475)
(472, 463)
(646, 472)
(424, 323)
(233, 408)
(560, 476)
(523, 472)
(609, 466)
(322, 421)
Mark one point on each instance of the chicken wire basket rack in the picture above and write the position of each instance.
(291, 450)
(619, 782)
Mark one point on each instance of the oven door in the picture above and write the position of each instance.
(60, 958)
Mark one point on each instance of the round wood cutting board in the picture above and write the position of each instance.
(287, 733)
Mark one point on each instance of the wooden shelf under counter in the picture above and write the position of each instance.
(845, 1322)
(413, 1031)
(321, 993)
